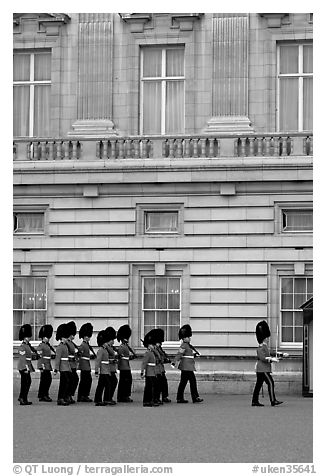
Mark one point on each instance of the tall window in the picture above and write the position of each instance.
(29, 304)
(162, 90)
(295, 69)
(161, 305)
(32, 84)
(294, 292)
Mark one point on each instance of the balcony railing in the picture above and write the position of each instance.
(171, 147)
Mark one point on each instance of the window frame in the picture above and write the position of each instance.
(155, 310)
(288, 210)
(44, 310)
(30, 209)
(300, 75)
(31, 83)
(284, 343)
(163, 79)
(281, 207)
(142, 209)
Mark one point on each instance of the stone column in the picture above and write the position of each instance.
(230, 74)
(94, 94)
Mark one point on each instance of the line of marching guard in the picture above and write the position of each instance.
(68, 358)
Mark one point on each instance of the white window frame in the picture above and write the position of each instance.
(143, 208)
(156, 309)
(285, 211)
(30, 209)
(45, 310)
(293, 277)
(163, 78)
(281, 207)
(31, 83)
(300, 75)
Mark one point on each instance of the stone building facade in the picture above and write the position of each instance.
(163, 175)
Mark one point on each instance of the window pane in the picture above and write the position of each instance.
(287, 319)
(149, 321)
(298, 220)
(175, 62)
(21, 67)
(298, 334)
(149, 285)
(152, 62)
(29, 222)
(161, 301)
(298, 318)
(307, 59)
(287, 301)
(174, 107)
(289, 104)
(18, 316)
(161, 319)
(287, 285)
(41, 111)
(299, 299)
(161, 285)
(42, 66)
(289, 59)
(287, 334)
(307, 104)
(152, 107)
(21, 111)
(309, 287)
(300, 285)
(149, 301)
(161, 221)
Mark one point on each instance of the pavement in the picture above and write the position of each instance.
(222, 429)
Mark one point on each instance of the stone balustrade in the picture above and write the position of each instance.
(160, 147)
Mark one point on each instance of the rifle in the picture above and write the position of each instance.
(134, 355)
(92, 350)
(194, 349)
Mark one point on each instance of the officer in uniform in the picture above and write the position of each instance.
(163, 385)
(62, 364)
(102, 370)
(185, 362)
(264, 366)
(73, 359)
(24, 365)
(44, 362)
(84, 365)
(159, 367)
(113, 359)
(148, 372)
(126, 354)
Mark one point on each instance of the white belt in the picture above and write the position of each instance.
(126, 358)
(72, 356)
(104, 362)
(28, 358)
(86, 358)
(188, 356)
(64, 358)
(45, 357)
(149, 363)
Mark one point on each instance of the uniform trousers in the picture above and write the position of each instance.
(187, 376)
(85, 384)
(73, 382)
(150, 389)
(125, 383)
(261, 378)
(64, 385)
(113, 384)
(25, 383)
(103, 384)
(45, 383)
(162, 385)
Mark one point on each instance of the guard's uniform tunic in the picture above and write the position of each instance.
(148, 369)
(25, 368)
(45, 368)
(62, 365)
(102, 368)
(73, 355)
(113, 356)
(263, 373)
(125, 377)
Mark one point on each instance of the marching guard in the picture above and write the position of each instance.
(102, 371)
(113, 359)
(25, 365)
(44, 363)
(148, 372)
(126, 354)
(62, 365)
(264, 366)
(185, 362)
(164, 359)
(73, 358)
(84, 365)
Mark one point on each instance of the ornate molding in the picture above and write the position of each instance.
(274, 20)
(185, 21)
(49, 23)
(136, 21)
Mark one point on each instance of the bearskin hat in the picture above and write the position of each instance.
(86, 330)
(262, 331)
(102, 337)
(185, 331)
(159, 335)
(72, 328)
(46, 331)
(25, 331)
(148, 339)
(124, 333)
(63, 331)
(111, 333)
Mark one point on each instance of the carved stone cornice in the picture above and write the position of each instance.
(49, 23)
(136, 21)
(185, 21)
(274, 20)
